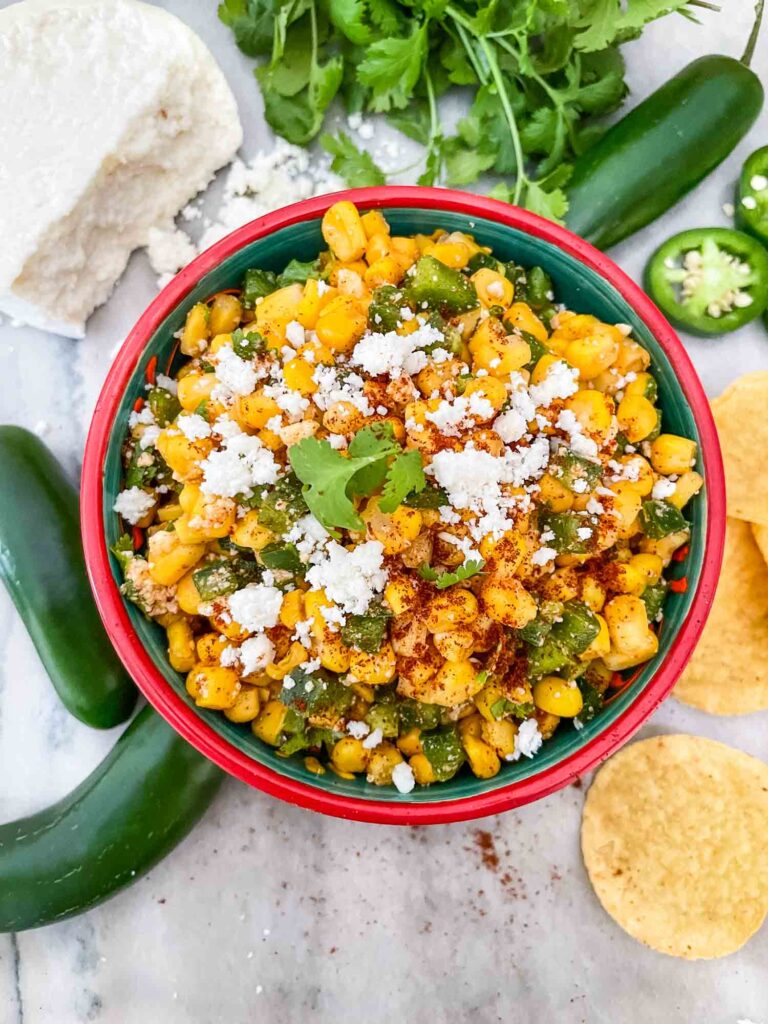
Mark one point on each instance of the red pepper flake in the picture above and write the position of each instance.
(679, 586)
(138, 405)
(617, 680)
(151, 370)
(138, 537)
(682, 553)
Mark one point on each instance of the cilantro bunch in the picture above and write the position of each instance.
(539, 72)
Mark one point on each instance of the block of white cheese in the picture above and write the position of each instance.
(113, 115)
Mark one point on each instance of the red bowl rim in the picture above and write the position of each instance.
(183, 718)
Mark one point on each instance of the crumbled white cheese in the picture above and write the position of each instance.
(193, 426)
(560, 382)
(543, 555)
(403, 778)
(256, 653)
(255, 607)
(462, 413)
(358, 729)
(394, 353)
(240, 465)
(167, 383)
(578, 441)
(333, 387)
(373, 739)
(663, 488)
(351, 579)
(236, 376)
(528, 740)
(295, 334)
(133, 504)
(310, 538)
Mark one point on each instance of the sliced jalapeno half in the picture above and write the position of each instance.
(752, 195)
(709, 280)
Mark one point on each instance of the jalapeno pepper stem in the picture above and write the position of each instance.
(746, 57)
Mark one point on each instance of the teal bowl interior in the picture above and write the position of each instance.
(582, 290)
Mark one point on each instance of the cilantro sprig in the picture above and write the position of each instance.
(374, 461)
(442, 580)
(540, 74)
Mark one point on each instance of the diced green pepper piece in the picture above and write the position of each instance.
(479, 260)
(415, 715)
(568, 467)
(257, 284)
(147, 468)
(577, 628)
(384, 311)
(429, 497)
(565, 527)
(319, 692)
(538, 348)
(440, 287)
(247, 345)
(535, 632)
(444, 752)
(505, 708)
(547, 660)
(165, 406)
(366, 632)
(593, 701)
(282, 556)
(384, 717)
(284, 505)
(538, 291)
(217, 579)
(297, 272)
(658, 519)
(653, 599)
(517, 275)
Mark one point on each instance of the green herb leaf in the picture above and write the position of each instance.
(448, 579)
(392, 67)
(355, 166)
(404, 476)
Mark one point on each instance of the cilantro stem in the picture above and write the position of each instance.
(521, 178)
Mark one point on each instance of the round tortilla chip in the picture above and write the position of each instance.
(760, 534)
(728, 671)
(741, 417)
(673, 839)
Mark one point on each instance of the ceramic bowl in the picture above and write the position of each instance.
(586, 281)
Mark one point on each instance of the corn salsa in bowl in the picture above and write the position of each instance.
(401, 513)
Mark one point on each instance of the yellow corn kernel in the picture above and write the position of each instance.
(269, 724)
(641, 385)
(627, 578)
(374, 223)
(379, 246)
(505, 554)
(492, 350)
(632, 358)
(366, 693)
(491, 388)
(213, 686)
(246, 707)
(226, 313)
(271, 440)
(672, 454)
(639, 473)
(333, 654)
(452, 254)
(601, 645)
(405, 249)
(626, 506)
(189, 497)
(453, 683)
(401, 595)
(649, 566)
(637, 417)
(423, 772)
(217, 342)
(396, 530)
(188, 534)
(312, 302)
(188, 596)
(341, 324)
(209, 647)
(543, 365)
(343, 231)
(181, 645)
(171, 564)
(687, 485)
(195, 388)
(499, 735)
(297, 655)
(508, 602)
(410, 742)
(592, 593)
(249, 533)
(482, 758)
(632, 640)
(522, 317)
(274, 312)
(381, 764)
(292, 609)
(256, 410)
(194, 336)
(182, 455)
(223, 623)
(387, 270)
(455, 645)
(212, 516)
(374, 669)
(298, 376)
(554, 494)
(493, 289)
(558, 697)
(314, 602)
(593, 410)
(349, 755)
(313, 765)
(342, 418)
(562, 585)
(169, 512)
(453, 608)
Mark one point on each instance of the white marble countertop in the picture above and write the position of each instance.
(268, 912)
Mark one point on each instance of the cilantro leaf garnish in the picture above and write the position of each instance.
(355, 166)
(374, 460)
(448, 579)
